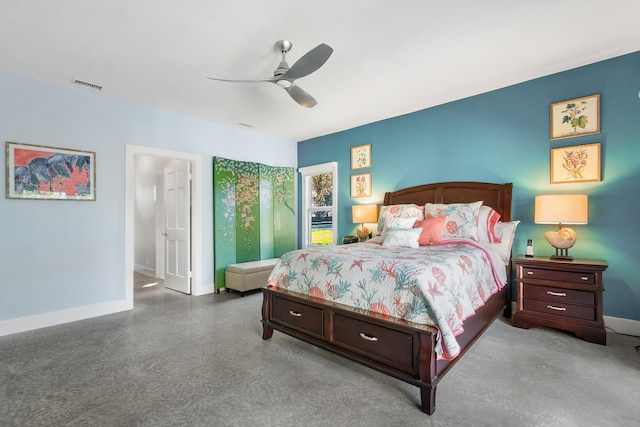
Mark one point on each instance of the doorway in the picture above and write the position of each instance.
(159, 156)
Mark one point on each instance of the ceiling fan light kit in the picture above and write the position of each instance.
(285, 76)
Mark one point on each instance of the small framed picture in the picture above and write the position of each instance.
(361, 185)
(361, 157)
(50, 173)
(579, 163)
(576, 117)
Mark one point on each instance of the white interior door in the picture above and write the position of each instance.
(177, 231)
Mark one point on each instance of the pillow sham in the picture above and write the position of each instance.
(506, 232)
(431, 230)
(487, 220)
(398, 223)
(462, 218)
(398, 211)
(402, 237)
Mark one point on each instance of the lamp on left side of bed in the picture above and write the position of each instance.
(362, 214)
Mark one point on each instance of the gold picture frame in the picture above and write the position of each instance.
(361, 157)
(575, 117)
(578, 163)
(361, 185)
(48, 173)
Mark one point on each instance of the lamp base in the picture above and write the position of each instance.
(363, 233)
(562, 255)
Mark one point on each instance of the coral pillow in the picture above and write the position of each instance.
(431, 230)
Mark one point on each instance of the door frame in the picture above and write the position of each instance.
(196, 215)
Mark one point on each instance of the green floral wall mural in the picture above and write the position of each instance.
(254, 216)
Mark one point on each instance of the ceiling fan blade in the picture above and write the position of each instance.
(309, 62)
(269, 80)
(301, 97)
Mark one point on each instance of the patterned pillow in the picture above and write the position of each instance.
(397, 223)
(402, 237)
(462, 218)
(486, 225)
(431, 230)
(398, 211)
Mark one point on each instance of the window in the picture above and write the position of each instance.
(319, 204)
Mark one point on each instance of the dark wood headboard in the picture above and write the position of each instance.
(498, 196)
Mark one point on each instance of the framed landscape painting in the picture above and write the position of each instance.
(49, 173)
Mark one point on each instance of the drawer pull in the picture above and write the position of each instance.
(295, 313)
(367, 337)
(530, 273)
(557, 294)
(551, 307)
(585, 278)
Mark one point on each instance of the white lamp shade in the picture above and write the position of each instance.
(561, 209)
(364, 213)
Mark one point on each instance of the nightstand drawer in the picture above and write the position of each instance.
(559, 295)
(297, 316)
(558, 309)
(558, 276)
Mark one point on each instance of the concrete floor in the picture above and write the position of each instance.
(177, 360)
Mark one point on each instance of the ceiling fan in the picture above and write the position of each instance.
(285, 76)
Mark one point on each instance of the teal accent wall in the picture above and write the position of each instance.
(503, 136)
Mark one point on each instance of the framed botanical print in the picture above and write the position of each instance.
(361, 185)
(579, 163)
(361, 156)
(576, 117)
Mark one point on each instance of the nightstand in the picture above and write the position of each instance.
(561, 294)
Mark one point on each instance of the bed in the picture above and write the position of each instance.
(404, 349)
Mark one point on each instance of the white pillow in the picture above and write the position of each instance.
(397, 223)
(506, 232)
(402, 237)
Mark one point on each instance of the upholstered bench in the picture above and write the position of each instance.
(246, 276)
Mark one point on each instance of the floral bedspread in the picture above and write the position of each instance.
(437, 285)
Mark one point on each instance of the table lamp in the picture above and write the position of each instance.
(561, 209)
(362, 214)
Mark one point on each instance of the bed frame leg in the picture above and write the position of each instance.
(428, 396)
(267, 331)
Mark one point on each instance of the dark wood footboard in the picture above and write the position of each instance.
(399, 348)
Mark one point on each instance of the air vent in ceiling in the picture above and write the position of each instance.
(86, 85)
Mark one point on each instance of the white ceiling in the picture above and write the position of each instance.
(390, 57)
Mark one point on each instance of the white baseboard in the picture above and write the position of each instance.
(144, 270)
(622, 326)
(24, 324)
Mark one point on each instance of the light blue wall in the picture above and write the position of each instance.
(503, 136)
(59, 255)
